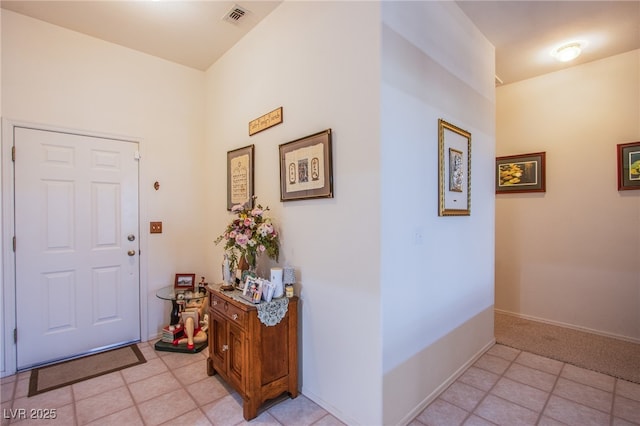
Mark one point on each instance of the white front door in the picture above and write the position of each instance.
(77, 244)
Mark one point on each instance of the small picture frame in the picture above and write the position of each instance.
(454, 170)
(184, 282)
(240, 188)
(521, 173)
(252, 290)
(246, 285)
(628, 166)
(306, 168)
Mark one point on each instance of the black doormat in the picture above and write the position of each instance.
(65, 373)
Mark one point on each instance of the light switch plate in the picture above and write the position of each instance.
(155, 227)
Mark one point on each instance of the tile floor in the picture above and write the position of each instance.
(169, 389)
(510, 387)
(504, 387)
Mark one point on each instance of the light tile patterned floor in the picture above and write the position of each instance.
(169, 389)
(504, 387)
(510, 387)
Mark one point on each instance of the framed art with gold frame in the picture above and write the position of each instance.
(454, 170)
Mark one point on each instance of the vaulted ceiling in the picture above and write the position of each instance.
(197, 33)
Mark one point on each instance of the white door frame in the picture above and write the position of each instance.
(8, 348)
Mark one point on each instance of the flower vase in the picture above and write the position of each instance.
(249, 269)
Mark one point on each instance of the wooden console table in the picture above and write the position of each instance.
(259, 361)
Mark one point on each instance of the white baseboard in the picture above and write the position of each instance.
(436, 393)
(338, 414)
(418, 408)
(570, 326)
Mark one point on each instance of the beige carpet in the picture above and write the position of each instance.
(617, 358)
(54, 376)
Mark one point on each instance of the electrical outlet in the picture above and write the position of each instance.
(155, 227)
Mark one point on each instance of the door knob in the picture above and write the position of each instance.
(131, 252)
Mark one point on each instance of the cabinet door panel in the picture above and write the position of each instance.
(219, 343)
(237, 358)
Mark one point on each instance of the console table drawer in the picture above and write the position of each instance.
(229, 310)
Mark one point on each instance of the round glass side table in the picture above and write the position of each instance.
(179, 299)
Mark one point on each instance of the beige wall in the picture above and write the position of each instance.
(307, 58)
(3, 367)
(436, 272)
(365, 333)
(572, 255)
(55, 77)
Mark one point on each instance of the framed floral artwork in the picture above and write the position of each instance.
(306, 168)
(521, 173)
(628, 166)
(454, 170)
(240, 177)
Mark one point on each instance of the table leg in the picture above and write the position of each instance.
(175, 313)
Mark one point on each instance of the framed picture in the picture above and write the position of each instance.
(454, 170)
(306, 168)
(185, 282)
(252, 290)
(628, 166)
(521, 173)
(240, 177)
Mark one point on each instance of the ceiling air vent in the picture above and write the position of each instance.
(235, 14)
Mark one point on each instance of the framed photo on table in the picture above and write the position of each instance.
(454, 170)
(240, 177)
(252, 290)
(628, 166)
(521, 173)
(184, 282)
(306, 168)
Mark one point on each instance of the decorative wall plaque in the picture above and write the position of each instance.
(270, 119)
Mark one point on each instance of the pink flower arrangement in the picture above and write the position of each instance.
(249, 235)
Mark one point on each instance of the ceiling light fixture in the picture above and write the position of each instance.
(568, 51)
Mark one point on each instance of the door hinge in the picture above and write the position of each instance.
(136, 155)
(14, 244)
(15, 335)
(13, 154)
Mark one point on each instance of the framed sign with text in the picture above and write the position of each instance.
(270, 119)
(240, 177)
